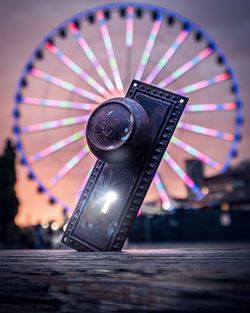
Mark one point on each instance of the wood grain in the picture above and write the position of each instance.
(169, 280)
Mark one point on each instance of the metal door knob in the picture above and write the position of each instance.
(118, 130)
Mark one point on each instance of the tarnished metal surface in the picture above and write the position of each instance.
(118, 190)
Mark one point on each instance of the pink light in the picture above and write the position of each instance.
(69, 165)
(139, 212)
(65, 85)
(110, 51)
(204, 83)
(91, 56)
(160, 188)
(196, 153)
(148, 49)
(78, 195)
(56, 146)
(221, 77)
(186, 67)
(205, 131)
(227, 106)
(181, 173)
(57, 123)
(59, 103)
(167, 56)
(75, 68)
(129, 27)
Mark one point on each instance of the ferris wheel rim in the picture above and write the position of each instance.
(85, 13)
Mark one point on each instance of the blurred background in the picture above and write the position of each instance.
(203, 183)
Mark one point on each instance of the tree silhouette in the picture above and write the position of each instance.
(8, 200)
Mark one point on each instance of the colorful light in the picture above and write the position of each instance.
(184, 176)
(148, 48)
(65, 85)
(56, 146)
(69, 165)
(75, 68)
(59, 103)
(55, 226)
(91, 56)
(77, 196)
(206, 131)
(161, 188)
(204, 83)
(110, 51)
(196, 153)
(167, 56)
(186, 67)
(57, 123)
(129, 26)
(227, 106)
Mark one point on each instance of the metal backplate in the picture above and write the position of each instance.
(90, 231)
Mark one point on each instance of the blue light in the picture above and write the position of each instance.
(19, 98)
(16, 113)
(187, 26)
(18, 145)
(16, 130)
(41, 189)
(237, 136)
(23, 161)
(29, 67)
(52, 200)
(212, 46)
(239, 104)
(234, 153)
(239, 120)
(235, 88)
(31, 175)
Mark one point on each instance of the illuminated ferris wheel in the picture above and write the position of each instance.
(92, 57)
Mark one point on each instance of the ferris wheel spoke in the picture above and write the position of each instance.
(183, 176)
(186, 67)
(129, 26)
(204, 83)
(56, 146)
(58, 103)
(75, 68)
(168, 55)
(129, 42)
(55, 124)
(79, 192)
(227, 106)
(110, 51)
(91, 56)
(161, 189)
(69, 165)
(196, 153)
(65, 85)
(148, 48)
(206, 131)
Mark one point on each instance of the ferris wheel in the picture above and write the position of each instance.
(93, 56)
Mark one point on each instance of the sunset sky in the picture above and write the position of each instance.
(24, 23)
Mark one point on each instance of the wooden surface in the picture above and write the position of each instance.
(170, 280)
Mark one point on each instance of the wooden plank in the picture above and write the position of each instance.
(170, 280)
